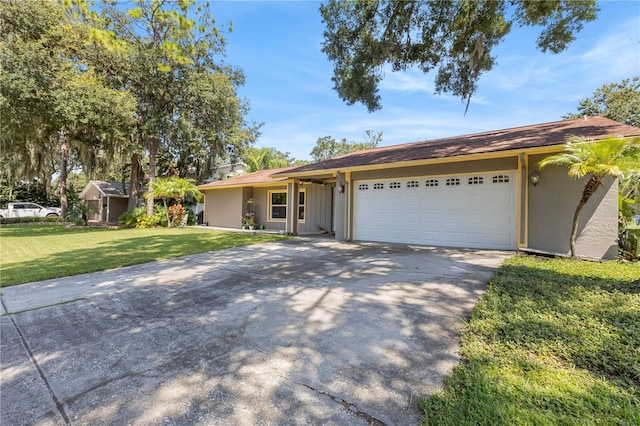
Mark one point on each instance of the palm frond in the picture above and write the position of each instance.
(612, 156)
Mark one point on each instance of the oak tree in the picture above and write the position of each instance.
(454, 37)
(617, 101)
(327, 147)
(169, 55)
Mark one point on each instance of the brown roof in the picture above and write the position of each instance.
(109, 189)
(537, 135)
(257, 178)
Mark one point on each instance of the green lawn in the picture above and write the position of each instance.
(552, 342)
(37, 252)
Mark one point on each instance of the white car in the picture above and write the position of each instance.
(29, 210)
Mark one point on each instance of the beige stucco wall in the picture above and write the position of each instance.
(223, 207)
(552, 204)
(92, 193)
(92, 197)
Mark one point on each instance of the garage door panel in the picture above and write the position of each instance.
(473, 211)
(453, 237)
(454, 218)
(477, 238)
(477, 219)
(431, 237)
(430, 218)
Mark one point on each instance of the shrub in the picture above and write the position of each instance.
(79, 212)
(137, 218)
(32, 219)
(192, 218)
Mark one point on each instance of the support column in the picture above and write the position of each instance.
(292, 207)
(340, 206)
(522, 200)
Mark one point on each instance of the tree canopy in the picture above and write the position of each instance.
(265, 158)
(54, 104)
(169, 55)
(142, 84)
(617, 101)
(456, 37)
(327, 147)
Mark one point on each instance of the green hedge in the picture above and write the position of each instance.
(13, 220)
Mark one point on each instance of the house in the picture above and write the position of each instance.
(480, 190)
(229, 170)
(107, 200)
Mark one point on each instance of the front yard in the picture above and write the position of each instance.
(38, 252)
(552, 342)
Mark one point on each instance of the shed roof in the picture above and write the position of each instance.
(108, 189)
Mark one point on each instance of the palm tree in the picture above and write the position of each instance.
(265, 158)
(612, 156)
(175, 188)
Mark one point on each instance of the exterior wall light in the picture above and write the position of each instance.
(534, 178)
(341, 188)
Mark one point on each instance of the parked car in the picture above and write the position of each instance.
(29, 210)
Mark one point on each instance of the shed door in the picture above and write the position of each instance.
(471, 210)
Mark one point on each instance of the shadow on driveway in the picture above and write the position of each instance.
(295, 332)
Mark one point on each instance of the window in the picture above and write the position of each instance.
(394, 185)
(500, 179)
(378, 186)
(412, 184)
(301, 199)
(452, 182)
(363, 187)
(432, 182)
(278, 205)
(476, 180)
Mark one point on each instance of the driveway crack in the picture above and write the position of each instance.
(57, 402)
(348, 406)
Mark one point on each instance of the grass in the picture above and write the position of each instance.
(39, 252)
(552, 342)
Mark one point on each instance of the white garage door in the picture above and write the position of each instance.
(474, 210)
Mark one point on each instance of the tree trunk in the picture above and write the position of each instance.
(64, 159)
(589, 188)
(153, 150)
(134, 182)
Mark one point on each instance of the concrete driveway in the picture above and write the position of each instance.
(306, 331)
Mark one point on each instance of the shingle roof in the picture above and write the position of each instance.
(257, 178)
(537, 135)
(111, 189)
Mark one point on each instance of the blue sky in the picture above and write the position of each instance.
(289, 87)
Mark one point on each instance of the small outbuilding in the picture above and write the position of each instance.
(481, 190)
(107, 200)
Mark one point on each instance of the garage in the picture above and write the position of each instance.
(466, 210)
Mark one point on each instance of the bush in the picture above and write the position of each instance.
(31, 219)
(192, 218)
(137, 218)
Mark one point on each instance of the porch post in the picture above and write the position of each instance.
(340, 206)
(292, 207)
